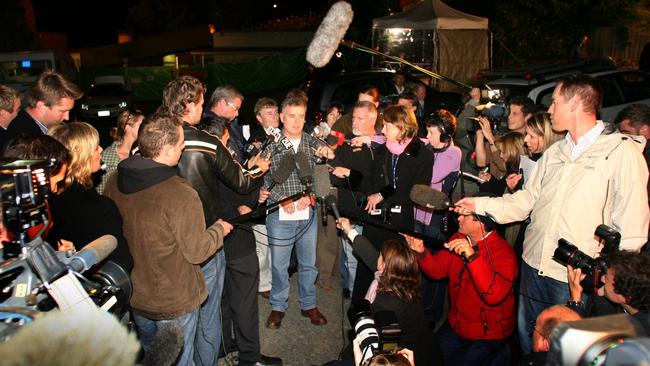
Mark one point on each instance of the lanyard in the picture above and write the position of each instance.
(394, 160)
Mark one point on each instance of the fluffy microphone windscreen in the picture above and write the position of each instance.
(329, 34)
(284, 170)
(304, 169)
(426, 196)
(71, 339)
(322, 182)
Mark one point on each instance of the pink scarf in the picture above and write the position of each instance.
(372, 290)
(397, 148)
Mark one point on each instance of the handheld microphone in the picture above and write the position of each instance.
(284, 170)
(278, 137)
(304, 170)
(329, 34)
(331, 203)
(93, 253)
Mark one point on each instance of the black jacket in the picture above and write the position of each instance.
(81, 215)
(414, 166)
(22, 125)
(354, 190)
(205, 162)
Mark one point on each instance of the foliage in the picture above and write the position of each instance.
(535, 30)
(15, 33)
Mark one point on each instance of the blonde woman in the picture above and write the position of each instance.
(80, 214)
(124, 136)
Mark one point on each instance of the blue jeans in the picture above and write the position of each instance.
(348, 262)
(283, 235)
(459, 351)
(147, 329)
(536, 293)
(208, 334)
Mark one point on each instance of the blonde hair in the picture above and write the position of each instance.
(403, 119)
(82, 140)
(540, 124)
(512, 146)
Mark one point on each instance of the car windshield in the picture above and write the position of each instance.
(106, 90)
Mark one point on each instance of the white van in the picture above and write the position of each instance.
(19, 70)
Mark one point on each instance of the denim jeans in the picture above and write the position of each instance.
(147, 329)
(208, 334)
(263, 257)
(459, 351)
(348, 262)
(283, 235)
(536, 293)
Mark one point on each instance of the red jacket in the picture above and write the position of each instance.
(481, 298)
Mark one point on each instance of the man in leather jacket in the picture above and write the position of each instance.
(204, 162)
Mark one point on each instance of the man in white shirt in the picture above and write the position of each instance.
(593, 177)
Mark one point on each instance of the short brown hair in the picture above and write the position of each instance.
(263, 103)
(50, 88)
(8, 97)
(292, 101)
(126, 118)
(179, 92)
(586, 88)
(39, 147)
(401, 275)
(157, 131)
(403, 119)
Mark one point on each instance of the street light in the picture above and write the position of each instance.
(274, 7)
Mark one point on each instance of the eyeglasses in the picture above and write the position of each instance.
(232, 106)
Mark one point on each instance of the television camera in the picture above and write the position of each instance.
(33, 277)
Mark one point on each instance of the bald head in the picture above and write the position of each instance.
(547, 321)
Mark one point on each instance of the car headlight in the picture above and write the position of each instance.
(123, 104)
(84, 106)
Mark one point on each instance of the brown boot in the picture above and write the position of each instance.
(275, 319)
(315, 316)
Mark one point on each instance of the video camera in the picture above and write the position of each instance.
(34, 277)
(608, 340)
(378, 332)
(568, 254)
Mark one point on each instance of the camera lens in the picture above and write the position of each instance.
(564, 252)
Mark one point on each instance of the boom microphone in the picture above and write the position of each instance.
(424, 195)
(93, 253)
(329, 34)
(284, 170)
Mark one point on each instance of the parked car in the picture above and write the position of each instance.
(345, 87)
(107, 97)
(621, 87)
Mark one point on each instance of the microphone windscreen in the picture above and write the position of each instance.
(102, 247)
(424, 195)
(284, 170)
(166, 346)
(329, 34)
(322, 182)
(304, 169)
(71, 339)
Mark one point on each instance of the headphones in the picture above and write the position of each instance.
(445, 136)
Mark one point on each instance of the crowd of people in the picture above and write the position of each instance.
(474, 284)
